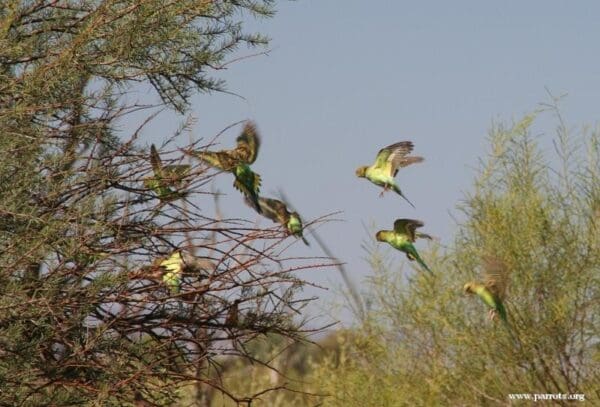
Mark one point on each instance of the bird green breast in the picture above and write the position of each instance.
(294, 225)
(241, 170)
(173, 281)
(378, 177)
(399, 241)
(485, 295)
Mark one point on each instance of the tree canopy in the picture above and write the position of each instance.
(112, 291)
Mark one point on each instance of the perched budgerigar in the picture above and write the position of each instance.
(388, 161)
(178, 263)
(165, 177)
(238, 161)
(402, 238)
(278, 212)
(173, 266)
(493, 290)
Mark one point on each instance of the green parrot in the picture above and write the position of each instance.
(173, 266)
(177, 263)
(164, 177)
(493, 290)
(238, 161)
(388, 161)
(402, 238)
(278, 212)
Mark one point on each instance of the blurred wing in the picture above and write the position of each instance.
(198, 265)
(402, 161)
(496, 275)
(407, 227)
(173, 174)
(394, 152)
(155, 160)
(218, 159)
(248, 144)
(423, 236)
(179, 170)
(273, 209)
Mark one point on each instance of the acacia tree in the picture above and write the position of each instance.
(427, 342)
(85, 315)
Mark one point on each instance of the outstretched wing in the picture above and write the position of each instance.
(245, 152)
(402, 161)
(495, 275)
(223, 160)
(407, 227)
(248, 144)
(423, 236)
(175, 170)
(392, 153)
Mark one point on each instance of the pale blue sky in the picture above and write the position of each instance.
(345, 78)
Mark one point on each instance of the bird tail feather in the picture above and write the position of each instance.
(397, 190)
(422, 263)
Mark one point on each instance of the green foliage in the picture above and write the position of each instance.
(426, 342)
(278, 374)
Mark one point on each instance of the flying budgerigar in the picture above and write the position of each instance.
(278, 212)
(238, 162)
(165, 177)
(388, 161)
(493, 290)
(402, 238)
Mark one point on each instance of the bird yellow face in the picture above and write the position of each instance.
(380, 236)
(361, 171)
(173, 263)
(468, 288)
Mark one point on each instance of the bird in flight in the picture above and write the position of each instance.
(278, 212)
(164, 177)
(493, 290)
(402, 238)
(237, 161)
(388, 161)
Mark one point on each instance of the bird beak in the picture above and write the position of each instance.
(379, 236)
